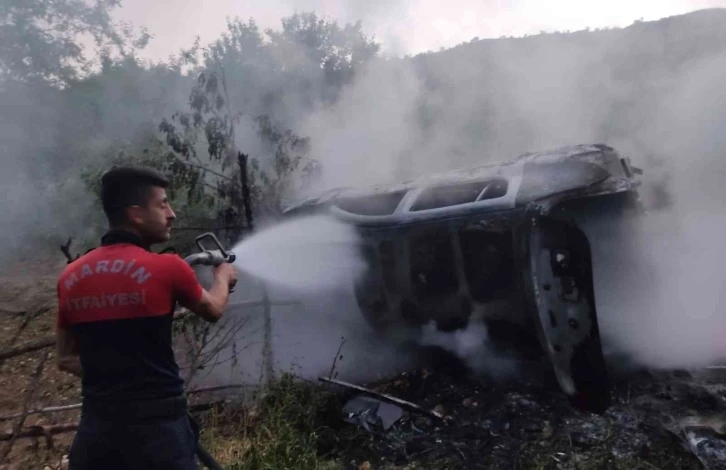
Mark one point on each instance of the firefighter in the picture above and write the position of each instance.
(114, 324)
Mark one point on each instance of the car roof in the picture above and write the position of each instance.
(504, 169)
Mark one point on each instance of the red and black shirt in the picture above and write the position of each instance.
(119, 301)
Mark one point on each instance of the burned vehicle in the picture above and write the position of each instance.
(496, 244)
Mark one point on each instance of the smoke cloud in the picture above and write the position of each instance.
(652, 91)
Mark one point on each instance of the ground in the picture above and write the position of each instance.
(27, 311)
(663, 420)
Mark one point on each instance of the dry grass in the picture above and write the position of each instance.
(285, 428)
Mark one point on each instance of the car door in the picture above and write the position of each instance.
(560, 287)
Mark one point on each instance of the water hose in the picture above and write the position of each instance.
(207, 257)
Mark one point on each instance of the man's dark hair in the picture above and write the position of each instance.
(127, 185)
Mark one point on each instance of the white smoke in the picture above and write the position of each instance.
(658, 277)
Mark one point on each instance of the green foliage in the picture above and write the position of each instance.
(307, 49)
(70, 116)
(337, 51)
(282, 73)
(40, 39)
(290, 164)
(191, 203)
(281, 431)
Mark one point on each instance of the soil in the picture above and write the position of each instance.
(28, 311)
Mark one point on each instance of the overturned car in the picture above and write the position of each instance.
(496, 244)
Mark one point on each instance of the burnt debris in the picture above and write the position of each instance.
(657, 420)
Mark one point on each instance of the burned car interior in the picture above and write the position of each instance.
(492, 244)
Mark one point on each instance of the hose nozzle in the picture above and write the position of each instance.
(213, 257)
(208, 258)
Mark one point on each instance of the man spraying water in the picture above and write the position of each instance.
(115, 315)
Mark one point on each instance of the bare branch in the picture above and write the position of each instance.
(35, 379)
(204, 168)
(51, 430)
(382, 396)
(30, 346)
(39, 431)
(217, 389)
(66, 249)
(335, 359)
(13, 312)
(42, 411)
(77, 406)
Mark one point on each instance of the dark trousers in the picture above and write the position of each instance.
(131, 437)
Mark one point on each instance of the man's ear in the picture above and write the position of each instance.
(135, 214)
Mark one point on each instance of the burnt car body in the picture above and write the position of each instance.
(495, 244)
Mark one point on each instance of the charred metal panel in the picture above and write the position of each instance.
(370, 291)
(488, 264)
(561, 277)
(432, 269)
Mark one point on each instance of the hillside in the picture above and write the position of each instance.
(630, 87)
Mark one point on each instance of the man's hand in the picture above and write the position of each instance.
(226, 273)
(67, 348)
(213, 302)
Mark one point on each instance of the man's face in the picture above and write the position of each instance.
(153, 220)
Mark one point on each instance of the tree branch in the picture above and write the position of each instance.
(35, 380)
(15, 313)
(42, 411)
(47, 431)
(204, 168)
(39, 431)
(66, 249)
(243, 160)
(77, 406)
(226, 99)
(30, 346)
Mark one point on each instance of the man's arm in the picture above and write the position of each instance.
(213, 303)
(209, 305)
(67, 348)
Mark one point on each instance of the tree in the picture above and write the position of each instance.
(237, 182)
(330, 50)
(42, 39)
(285, 73)
(248, 83)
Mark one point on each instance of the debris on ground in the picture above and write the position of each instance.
(368, 412)
(387, 398)
(526, 425)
